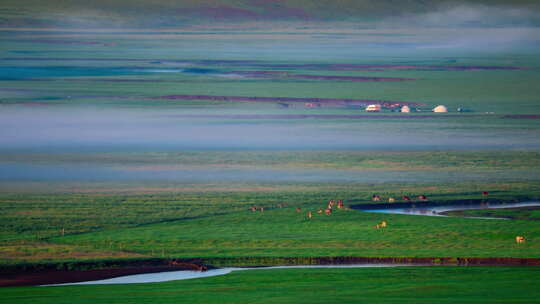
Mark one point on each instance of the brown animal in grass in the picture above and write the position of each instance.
(320, 211)
(340, 204)
(376, 198)
(331, 204)
(391, 199)
(406, 198)
(328, 211)
(253, 208)
(485, 193)
(381, 225)
(298, 209)
(422, 197)
(309, 215)
(520, 239)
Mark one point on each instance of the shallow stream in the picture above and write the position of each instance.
(434, 210)
(190, 274)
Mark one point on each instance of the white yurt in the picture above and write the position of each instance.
(373, 108)
(440, 109)
(405, 109)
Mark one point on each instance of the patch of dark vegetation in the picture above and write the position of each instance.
(318, 116)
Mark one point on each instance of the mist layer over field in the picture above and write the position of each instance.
(88, 79)
(90, 129)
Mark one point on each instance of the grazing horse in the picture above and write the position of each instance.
(298, 209)
(309, 215)
(520, 239)
(376, 198)
(406, 198)
(340, 204)
(328, 211)
(253, 208)
(320, 211)
(422, 197)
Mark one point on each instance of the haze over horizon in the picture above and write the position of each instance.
(257, 14)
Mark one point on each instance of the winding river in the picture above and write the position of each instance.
(190, 274)
(430, 209)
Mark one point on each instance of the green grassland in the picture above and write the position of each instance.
(344, 160)
(499, 91)
(368, 285)
(80, 217)
(211, 221)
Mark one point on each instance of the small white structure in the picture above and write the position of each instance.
(405, 109)
(373, 108)
(440, 109)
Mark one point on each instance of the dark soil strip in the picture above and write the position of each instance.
(288, 261)
(487, 213)
(349, 78)
(51, 41)
(320, 116)
(280, 74)
(384, 103)
(261, 64)
(41, 276)
(523, 116)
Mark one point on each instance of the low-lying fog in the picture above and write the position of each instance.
(56, 130)
(60, 129)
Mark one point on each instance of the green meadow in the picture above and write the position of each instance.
(368, 285)
(96, 166)
(138, 220)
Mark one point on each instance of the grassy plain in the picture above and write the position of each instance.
(83, 201)
(205, 220)
(375, 285)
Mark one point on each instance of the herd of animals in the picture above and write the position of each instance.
(376, 198)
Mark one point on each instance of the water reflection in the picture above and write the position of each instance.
(434, 210)
(189, 274)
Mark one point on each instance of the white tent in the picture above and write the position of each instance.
(440, 109)
(373, 108)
